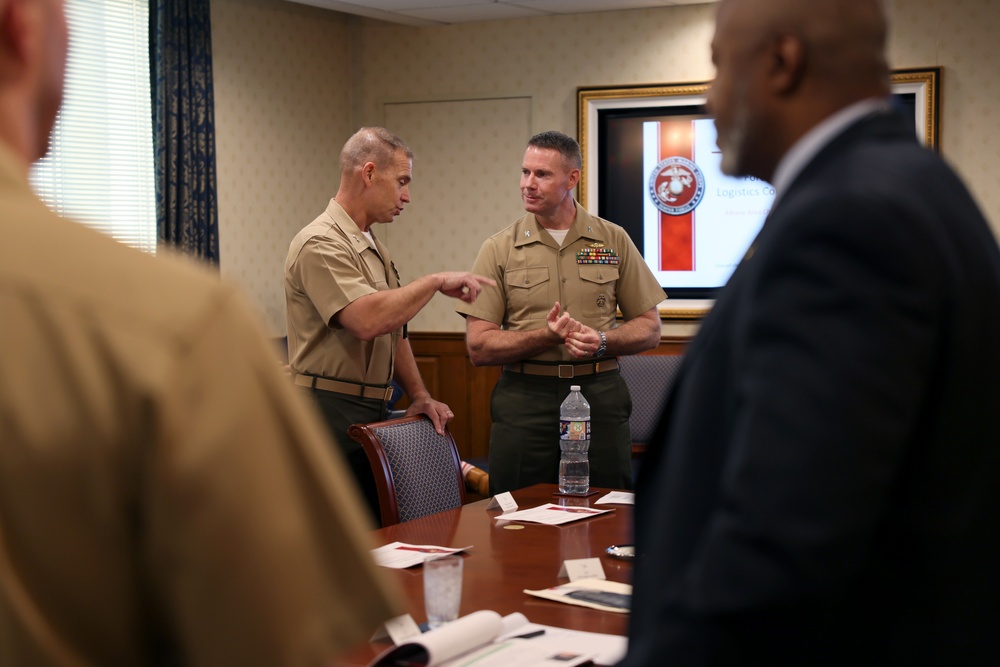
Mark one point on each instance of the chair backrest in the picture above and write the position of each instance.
(649, 378)
(417, 472)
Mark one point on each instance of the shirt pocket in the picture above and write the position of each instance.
(598, 285)
(528, 295)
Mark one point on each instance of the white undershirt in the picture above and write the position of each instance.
(368, 235)
(558, 234)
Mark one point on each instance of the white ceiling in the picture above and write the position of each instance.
(441, 12)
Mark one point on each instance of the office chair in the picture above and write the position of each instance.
(649, 378)
(417, 472)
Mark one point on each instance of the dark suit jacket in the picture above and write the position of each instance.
(824, 485)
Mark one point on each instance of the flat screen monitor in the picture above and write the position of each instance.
(651, 165)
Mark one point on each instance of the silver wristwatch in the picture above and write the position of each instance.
(603, 347)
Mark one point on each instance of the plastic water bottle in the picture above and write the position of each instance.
(574, 441)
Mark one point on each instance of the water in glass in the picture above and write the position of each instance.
(442, 589)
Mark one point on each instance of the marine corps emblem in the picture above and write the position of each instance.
(676, 185)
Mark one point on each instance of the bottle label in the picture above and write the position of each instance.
(574, 429)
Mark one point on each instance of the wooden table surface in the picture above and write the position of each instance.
(507, 557)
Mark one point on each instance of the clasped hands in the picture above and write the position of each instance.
(581, 341)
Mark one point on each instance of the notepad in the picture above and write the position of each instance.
(485, 639)
(594, 593)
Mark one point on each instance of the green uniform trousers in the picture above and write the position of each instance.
(524, 439)
(340, 411)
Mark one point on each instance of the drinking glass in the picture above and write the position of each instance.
(442, 589)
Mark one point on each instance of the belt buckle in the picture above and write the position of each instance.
(568, 369)
(388, 394)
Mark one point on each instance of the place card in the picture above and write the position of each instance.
(398, 630)
(504, 501)
(617, 498)
(582, 568)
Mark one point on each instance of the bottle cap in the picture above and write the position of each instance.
(574, 387)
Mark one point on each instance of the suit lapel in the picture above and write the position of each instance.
(881, 125)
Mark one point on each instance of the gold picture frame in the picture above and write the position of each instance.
(916, 89)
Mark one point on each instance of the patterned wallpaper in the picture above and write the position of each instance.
(960, 36)
(466, 97)
(465, 187)
(282, 108)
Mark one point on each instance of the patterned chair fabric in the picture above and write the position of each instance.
(417, 472)
(649, 378)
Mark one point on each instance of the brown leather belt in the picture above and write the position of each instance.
(563, 371)
(348, 388)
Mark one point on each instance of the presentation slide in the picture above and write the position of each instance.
(697, 222)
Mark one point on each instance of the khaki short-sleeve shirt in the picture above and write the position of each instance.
(331, 264)
(597, 271)
(160, 477)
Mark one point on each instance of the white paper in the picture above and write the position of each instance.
(544, 651)
(400, 555)
(617, 498)
(558, 593)
(605, 649)
(461, 635)
(483, 639)
(452, 639)
(551, 514)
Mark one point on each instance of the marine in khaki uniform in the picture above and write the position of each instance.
(164, 494)
(346, 309)
(561, 274)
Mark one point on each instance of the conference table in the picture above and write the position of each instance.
(505, 558)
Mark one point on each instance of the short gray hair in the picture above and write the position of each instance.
(371, 144)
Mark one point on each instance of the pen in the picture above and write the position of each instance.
(536, 633)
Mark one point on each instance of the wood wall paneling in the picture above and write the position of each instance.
(450, 377)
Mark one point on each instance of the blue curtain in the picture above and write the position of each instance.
(180, 57)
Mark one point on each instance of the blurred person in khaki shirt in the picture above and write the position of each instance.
(164, 497)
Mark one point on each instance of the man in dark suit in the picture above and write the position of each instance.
(824, 485)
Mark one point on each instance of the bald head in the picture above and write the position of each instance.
(783, 66)
(843, 40)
